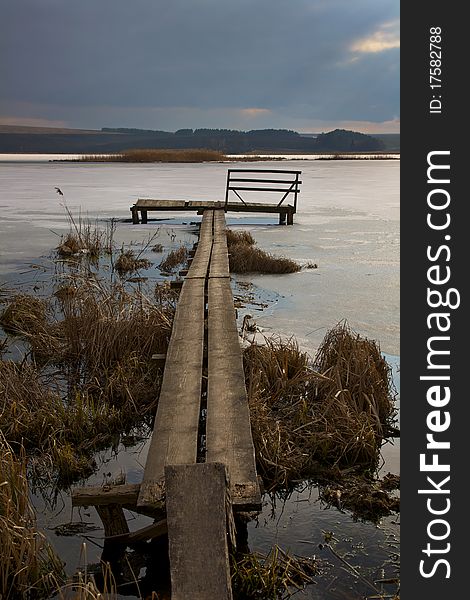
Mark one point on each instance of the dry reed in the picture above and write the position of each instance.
(333, 414)
(85, 238)
(28, 566)
(174, 259)
(246, 257)
(146, 155)
(24, 313)
(275, 576)
(128, 262)
(103, 381)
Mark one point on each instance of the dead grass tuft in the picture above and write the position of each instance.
(275, 576)
(28, 566)
(103, 381)
(246, 257)
(333, 414)
(128, 262)
(174, 259)
(366, 499)
(239, 237)
(23, 314)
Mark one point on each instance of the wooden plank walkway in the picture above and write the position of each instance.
(145, 205)
(228, 431)
(203, 371)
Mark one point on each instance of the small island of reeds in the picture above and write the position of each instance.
(152, 155)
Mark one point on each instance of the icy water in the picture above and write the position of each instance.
(348, 224)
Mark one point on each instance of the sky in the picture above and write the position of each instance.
(306, 65)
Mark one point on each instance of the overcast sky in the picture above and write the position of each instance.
(307, 65)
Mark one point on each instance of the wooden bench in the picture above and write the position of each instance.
(282, 182)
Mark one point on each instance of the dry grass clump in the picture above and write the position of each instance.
(366, 499)
(23, 314)
(28, 566)
(147, 155)
(128, 262)
(92, 377)
(239, 237)
(85, 238)
(248, 259)
(275, 576)
(174, 259)
(357, 375)
(333, 414)
(245, 257)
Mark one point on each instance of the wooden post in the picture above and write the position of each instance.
(114, 521)
(290, 217)
(135, 216)
(282, 217)
(144, 216)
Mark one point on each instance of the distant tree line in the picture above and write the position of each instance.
(233, 141)
(225, 140)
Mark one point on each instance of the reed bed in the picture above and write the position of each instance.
(275, 576)
(29, 567)
(85, 238)
(128, 262)
(174, 259)
(24, 313)
(246, 257)
(311, 418)
(149, 155)
(91, 376)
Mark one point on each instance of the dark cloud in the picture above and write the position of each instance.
(295, 58)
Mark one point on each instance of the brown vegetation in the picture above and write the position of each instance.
(85, 238)
(23, 313)
(104, 380)
(174, 259)
(245, 257)
(272, 577)
(128, 262)
(148, 155)
(333, 414)
(28, 566)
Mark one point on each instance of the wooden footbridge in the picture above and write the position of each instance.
(240, 182)
(201, 461)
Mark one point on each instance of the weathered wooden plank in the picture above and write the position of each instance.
(106, 494)
(228, 429)
(150, 204)
(197, 531)
(219, 266)
(200, 263)
(144, 533)
(174, 439)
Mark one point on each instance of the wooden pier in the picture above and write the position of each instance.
(240, 184)
(201, 460)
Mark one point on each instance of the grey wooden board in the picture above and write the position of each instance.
(107, 494)
(197, 531)
(174, 438)
(200, 263)
(150, 204)
(219, 266)
(228, 429)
